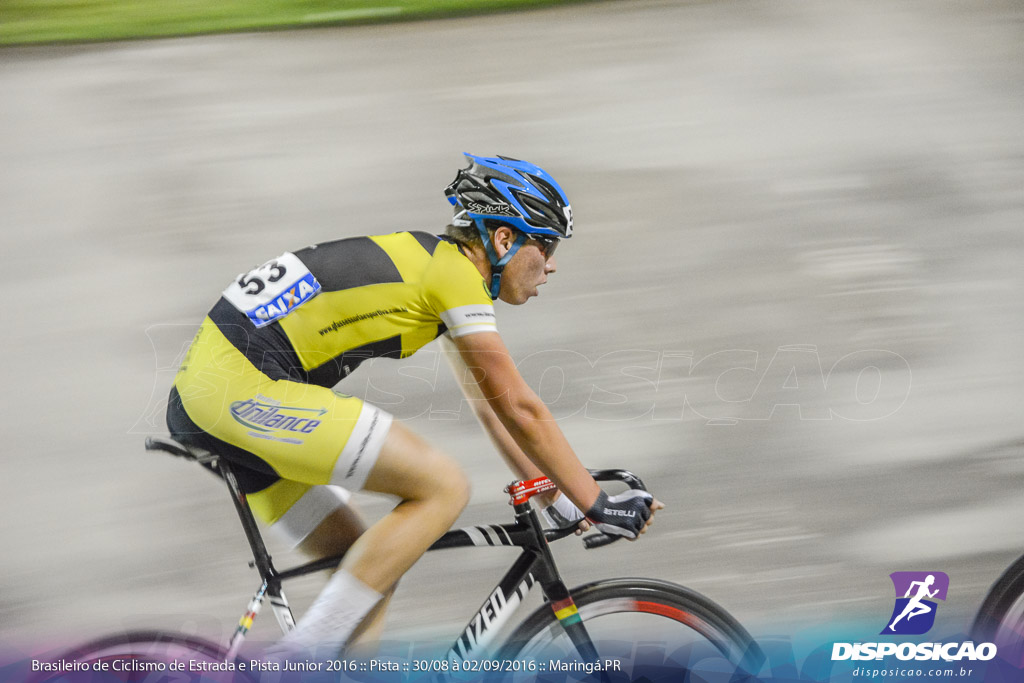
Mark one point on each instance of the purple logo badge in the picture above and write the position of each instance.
(916, 592)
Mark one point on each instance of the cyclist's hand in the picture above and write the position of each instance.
(563, 513)
(627, 514)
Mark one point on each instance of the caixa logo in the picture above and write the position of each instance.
(914, 614)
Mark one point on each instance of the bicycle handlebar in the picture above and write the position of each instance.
(599, 539)
(625, 476)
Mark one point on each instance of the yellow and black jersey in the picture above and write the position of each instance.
(255, 384)
(314, 315)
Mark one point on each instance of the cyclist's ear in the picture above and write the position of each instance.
(504, 237)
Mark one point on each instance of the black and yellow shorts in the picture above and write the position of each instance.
(301, 448)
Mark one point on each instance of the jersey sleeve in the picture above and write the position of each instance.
(456, 293)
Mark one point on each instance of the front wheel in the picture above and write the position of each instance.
(1000, 618)
(150, 656)
(644, 625)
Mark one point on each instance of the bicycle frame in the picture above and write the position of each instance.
(534, 565)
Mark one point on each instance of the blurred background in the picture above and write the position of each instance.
(792, 304)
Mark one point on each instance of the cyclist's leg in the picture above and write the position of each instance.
(334, 536)
(347, 443)
(356, 446)
(319, 521)
(433, 490)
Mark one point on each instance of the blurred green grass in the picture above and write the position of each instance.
(41, 21)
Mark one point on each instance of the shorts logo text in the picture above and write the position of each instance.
(265, 415)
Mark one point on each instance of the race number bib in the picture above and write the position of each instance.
(272, 291)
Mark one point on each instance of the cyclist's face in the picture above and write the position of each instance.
(528, 270)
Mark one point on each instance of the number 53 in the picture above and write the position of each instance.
(256, 279)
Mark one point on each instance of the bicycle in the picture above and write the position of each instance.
(571, 624)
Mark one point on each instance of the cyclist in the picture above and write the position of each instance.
(255, 387)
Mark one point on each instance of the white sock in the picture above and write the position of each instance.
(334, 615)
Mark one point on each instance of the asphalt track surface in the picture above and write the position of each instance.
(793, 304)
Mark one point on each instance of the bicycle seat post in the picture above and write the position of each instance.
(261, 557)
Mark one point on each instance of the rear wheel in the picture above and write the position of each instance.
(650, 628)
(150, 656)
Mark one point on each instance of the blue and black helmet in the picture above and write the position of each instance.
(512, 192)
(505, 191)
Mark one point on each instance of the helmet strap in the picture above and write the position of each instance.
(498, 264)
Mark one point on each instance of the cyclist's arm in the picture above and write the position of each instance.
(528, 433)
(513, 455)
(510, 451)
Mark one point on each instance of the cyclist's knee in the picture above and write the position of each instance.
(453, 486)
(438, 479)
(413, 470)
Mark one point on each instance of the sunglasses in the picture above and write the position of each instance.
(547, 244)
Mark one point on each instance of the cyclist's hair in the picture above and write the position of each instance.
(469, 235)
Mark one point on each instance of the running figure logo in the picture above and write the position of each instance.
(914, 613)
